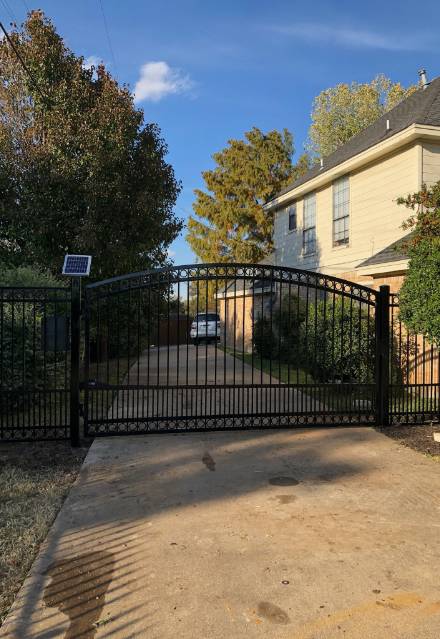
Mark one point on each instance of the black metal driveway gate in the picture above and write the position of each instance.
(208, 347)
(219, 346)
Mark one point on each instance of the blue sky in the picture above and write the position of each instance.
(206, 72)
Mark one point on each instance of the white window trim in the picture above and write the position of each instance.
(307, 228)
(287, 209)
(336, 247)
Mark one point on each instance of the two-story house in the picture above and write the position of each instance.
(341, 218)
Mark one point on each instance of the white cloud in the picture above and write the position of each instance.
(170, 253)
(158, 80)
(357, 38)
(92, 60)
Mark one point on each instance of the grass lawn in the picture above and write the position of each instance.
(279, 370)
(35, 479)
(341, 397)
(338, 397)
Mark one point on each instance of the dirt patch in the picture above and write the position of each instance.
(419, 437)
(35, 478)
(78, 587)
(273, 613)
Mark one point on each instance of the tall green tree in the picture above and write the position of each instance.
(80, 170)
(419, 296)
(229, 223)
(341, 112)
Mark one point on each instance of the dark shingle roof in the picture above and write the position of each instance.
(388, 254)
(269, 259)
(421, 107)
(238, 285)
(252, 284)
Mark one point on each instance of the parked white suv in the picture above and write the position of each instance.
(205, 326)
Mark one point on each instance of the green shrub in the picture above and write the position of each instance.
(27, 276)
(337, 342)
(24, 365)
(264, 340)
(419, 296)
(287, 320)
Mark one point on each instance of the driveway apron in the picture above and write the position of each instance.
(293, 534)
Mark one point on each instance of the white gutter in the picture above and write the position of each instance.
(408, 135)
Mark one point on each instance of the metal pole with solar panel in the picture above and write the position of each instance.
(75, 266)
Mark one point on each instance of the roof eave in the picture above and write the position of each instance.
(386, 268)
(408, 135)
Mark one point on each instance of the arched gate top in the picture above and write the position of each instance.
(219, 272)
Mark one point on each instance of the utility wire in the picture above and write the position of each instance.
(23, 64)
(9, 10)
(13, 15)
(108, 36)
(24, 2)
(179, 207)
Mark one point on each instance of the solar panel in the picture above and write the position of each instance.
(77, 265)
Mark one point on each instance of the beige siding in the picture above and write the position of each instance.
(288, 244)
(374, 213)
(431, 163)
(237, 315)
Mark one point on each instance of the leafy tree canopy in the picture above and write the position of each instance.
(341, 112)
(419, 296)
(231, 225)
(80, 171)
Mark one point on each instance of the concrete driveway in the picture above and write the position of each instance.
(301, 534)
(189, 381)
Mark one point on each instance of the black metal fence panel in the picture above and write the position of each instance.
(261, 346)
(209, 347)
(34, 363)
(414, 374)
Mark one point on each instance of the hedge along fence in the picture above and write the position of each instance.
(333, 341)
(278, 337)
(337, 342)
(287, 320)
(24, 365)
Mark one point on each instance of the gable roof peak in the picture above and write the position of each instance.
(421, 107)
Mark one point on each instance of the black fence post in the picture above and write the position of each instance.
(74, 361)
(382, 358)
(86, 359)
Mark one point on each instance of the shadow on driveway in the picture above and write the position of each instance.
(294, 534)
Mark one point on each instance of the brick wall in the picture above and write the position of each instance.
(237, 316)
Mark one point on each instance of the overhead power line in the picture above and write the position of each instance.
(108, 36)
(27, 8)
(23, 64)
(179, 207)
(9, 10)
